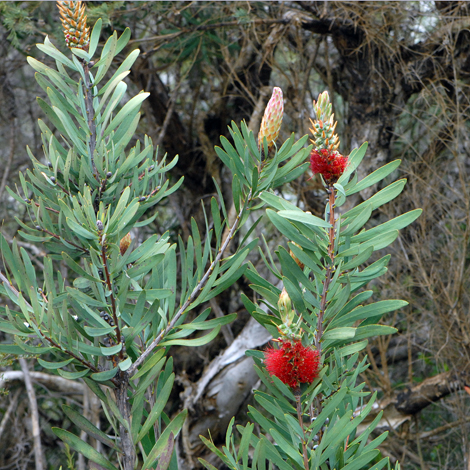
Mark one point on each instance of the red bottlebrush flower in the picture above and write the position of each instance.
(328, 163)
(292, 363)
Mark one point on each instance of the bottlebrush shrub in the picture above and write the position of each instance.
(310, 422)
(110, 320)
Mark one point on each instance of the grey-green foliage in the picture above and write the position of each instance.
(334, 405)
(109, 322)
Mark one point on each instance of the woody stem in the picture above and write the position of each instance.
(297, 394)
(330, 268)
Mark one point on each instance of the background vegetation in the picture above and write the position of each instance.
(398, 74)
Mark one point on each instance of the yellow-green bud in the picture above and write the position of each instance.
(284, 305)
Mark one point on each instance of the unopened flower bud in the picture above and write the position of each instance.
(272, 119)
(284, 304)
(73, 20)
(124, 244)
(99, 225)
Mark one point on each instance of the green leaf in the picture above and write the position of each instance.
(92, 331)
(83, 298)
(49, 49)
(378, 242)
(77, 268)
(375, 177)
(359, 462)
(368, 331)
(160, 403)
(125, 364)
(111, 350)
(73, 375)
(54, 365)
(351, 349)
(80, 230)
(105, 375)
(125, 66)
(123, 40)
(395, 224)
(95, 37)
(127, 109)
(193, 342)
(85, 449)
(339, 333)
(173, 428)
(376, 309)
(356, 223)
(382, 197)
(304, 217)
(72, 131)
(361, 258)
(120, 207)
(107, 56)
(149, 364)
(79, 420)
(355, 158)
(207, 325)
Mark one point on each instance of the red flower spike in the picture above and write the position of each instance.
(292, 363)
(328, 163)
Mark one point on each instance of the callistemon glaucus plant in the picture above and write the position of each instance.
(74, 23)
(325, 158)
(272, 119)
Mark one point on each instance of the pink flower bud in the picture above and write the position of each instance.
(272, 119)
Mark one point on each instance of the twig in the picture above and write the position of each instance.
(83, 434)
(87, 364)
(57, 237)
(90, 117)
(6, 173)
(47, 208)
(111, 295)
(33, 405)
(8, 412)
(297, 394)
(329, 269)
(193, 295)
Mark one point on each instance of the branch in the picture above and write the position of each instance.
(87, 364)
(427, 392)
(9, 411)
(111, 295)
(33, 405)
(329, 269)
(53, 382)
(90, 117)
(6, 173)
(403, 406)
(194, 294)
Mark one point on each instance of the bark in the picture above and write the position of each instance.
(127, 446)
(33, 407)
(50, 381)
(224, 386)
(401, 407)
(429, 391)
